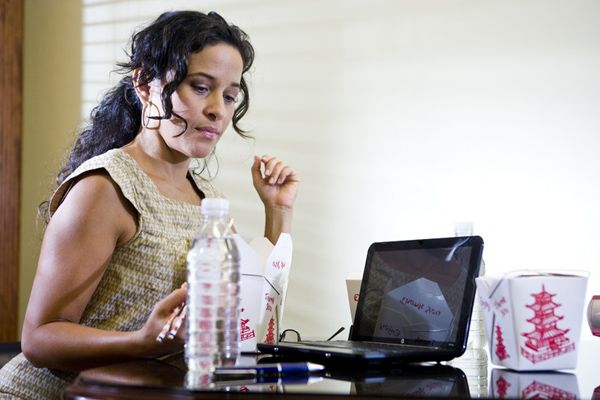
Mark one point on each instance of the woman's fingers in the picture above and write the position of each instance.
(286, 173)
(167, 305)
(275, 171)
(177, 323)
(256, 172)
(166, 330)
(172, 310)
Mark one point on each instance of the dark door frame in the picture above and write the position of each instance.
(11, 112)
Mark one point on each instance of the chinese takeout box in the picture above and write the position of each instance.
(264, 278)
(507, 384)
(533, 319)
(353, 286)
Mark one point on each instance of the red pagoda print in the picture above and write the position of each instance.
(540, 390)
(270, 339)
(546, 340)
(502, 386)
(500, 347)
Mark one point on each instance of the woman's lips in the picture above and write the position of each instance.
(208, 132)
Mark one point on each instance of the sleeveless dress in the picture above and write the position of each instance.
(141, 272)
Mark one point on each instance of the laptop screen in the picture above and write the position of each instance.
(418, 292)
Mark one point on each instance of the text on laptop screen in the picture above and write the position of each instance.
(414, 295)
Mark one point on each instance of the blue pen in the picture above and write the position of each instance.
(229, 381)
(294, 368)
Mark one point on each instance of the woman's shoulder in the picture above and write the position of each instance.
(112, 171)
(115, 160)
(95, 189)
(94, 200)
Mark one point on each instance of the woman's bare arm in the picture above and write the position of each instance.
(92, 221)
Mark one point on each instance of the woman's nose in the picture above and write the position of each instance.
(214, 107)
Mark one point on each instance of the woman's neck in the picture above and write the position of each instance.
(157, 159)
(167, 168)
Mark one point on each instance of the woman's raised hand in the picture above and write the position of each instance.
(276, 183)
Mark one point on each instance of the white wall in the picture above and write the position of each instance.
(402, 118)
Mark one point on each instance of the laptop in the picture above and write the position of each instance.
(410, 381)
(415, 304)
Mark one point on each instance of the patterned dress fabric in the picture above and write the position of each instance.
(141, 272)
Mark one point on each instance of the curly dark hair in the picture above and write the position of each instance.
(161, 48)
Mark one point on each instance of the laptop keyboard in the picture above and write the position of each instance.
(369, 346)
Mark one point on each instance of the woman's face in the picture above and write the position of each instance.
(206, 99)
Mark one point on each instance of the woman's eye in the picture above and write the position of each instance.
(200, 89)
(229, 99)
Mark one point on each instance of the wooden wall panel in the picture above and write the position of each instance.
(11, 39)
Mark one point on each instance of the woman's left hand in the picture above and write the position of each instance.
(276, 183)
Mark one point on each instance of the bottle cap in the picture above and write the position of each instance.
(463, 229)
(214, 205)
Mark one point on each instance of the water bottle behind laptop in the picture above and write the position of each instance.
(474, 361)
(477, 328)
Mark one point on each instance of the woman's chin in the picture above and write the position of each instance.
(201, 152)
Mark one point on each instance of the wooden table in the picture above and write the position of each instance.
(158, 380)
(466, 378)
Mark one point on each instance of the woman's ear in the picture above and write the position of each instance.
(141, 89)
(149, 95)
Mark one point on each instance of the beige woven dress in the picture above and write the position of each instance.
(141, 272)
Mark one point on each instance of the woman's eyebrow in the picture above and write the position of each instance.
(212, 78)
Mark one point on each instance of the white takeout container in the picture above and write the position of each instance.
(353, 286)
(264, 278)
(507, 384)
(533, 318)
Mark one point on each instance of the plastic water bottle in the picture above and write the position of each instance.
(213, 276)
(477, 329)
(474, 361)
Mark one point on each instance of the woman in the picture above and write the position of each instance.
(112, 261)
